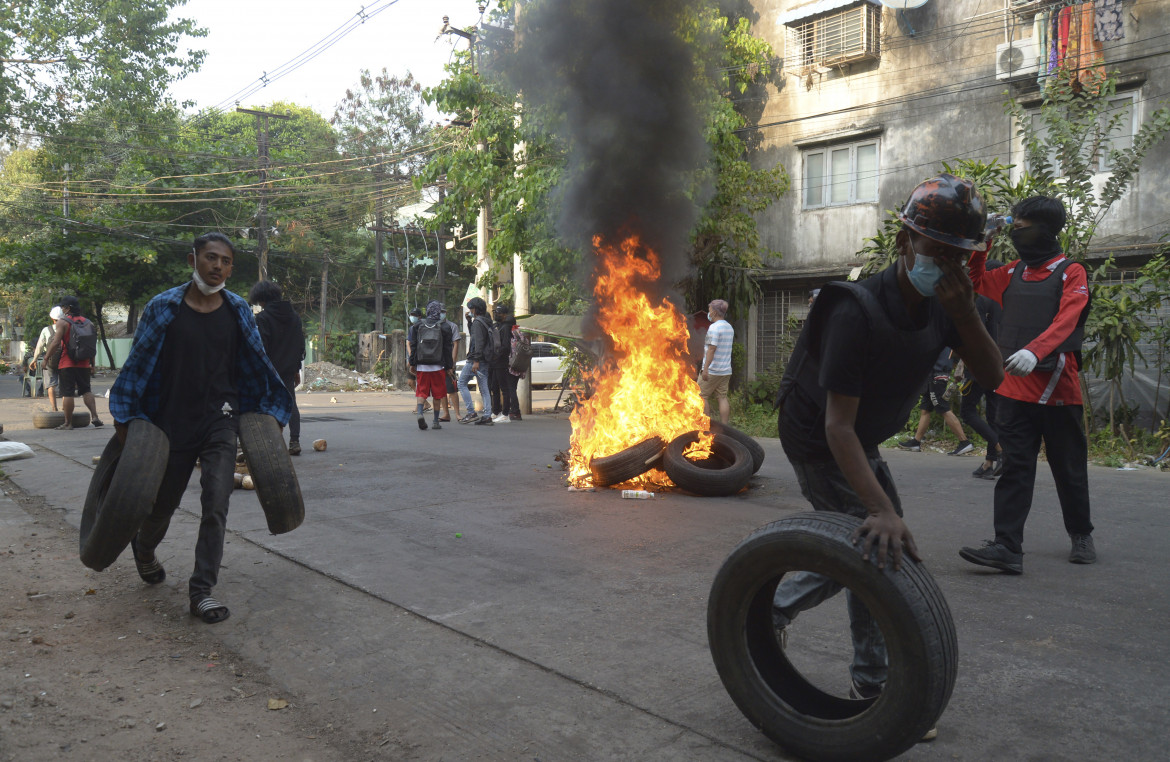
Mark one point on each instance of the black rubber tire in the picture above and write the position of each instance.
(119, 499)
(907, 605)
(748, 441)
(272, 472)
(625, 465)
(708, 479)
(51, 419)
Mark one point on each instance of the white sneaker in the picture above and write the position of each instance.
(496, 418)
(501, 418)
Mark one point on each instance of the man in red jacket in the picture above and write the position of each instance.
(1045, 299)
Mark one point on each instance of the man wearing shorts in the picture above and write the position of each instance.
(716, 374)
(73, 374)
(430, 372)
(934, 400)
(41, 355)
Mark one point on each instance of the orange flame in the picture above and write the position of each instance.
(646, 388)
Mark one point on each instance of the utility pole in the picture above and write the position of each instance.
(378, 307)
(65, 196)
(262, 145)
(324, 301)
(483, 223)
(519, 274)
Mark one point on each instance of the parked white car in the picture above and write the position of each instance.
(546, 364)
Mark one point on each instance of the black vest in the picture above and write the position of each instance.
(1029, 307)
(898, 361)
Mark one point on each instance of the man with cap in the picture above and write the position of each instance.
(49, 368)
(1045, 299)
(854, 376)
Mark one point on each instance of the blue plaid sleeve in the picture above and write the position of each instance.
(136, 389)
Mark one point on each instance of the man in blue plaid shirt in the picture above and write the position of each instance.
(196, 364)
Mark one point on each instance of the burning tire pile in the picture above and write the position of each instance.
(644, 426)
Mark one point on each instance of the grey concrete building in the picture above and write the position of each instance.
(870, 100)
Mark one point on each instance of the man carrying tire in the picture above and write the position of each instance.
(854, 376)
(197, 363)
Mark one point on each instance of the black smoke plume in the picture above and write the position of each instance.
(626, 84)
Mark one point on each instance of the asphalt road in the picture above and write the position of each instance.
(449, 580)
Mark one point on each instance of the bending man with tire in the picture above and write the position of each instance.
(197, 363)
(854, 376)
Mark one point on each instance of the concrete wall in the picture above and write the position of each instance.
(931, 97)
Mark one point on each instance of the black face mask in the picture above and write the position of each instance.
(1035, 244)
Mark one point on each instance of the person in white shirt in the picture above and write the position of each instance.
(716, 374)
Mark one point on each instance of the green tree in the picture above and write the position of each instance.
(61, 57)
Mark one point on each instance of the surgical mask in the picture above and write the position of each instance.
(925, 274)
(413, 319)
(205, 289)
(442, 315)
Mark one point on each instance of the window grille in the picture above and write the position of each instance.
(846, 36)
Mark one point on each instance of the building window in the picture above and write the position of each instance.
(844, 36)
(841, 174)
(1121, 121)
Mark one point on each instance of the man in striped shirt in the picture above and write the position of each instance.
(716, 374)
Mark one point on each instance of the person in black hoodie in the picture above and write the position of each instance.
(284, 341)
(500, 381)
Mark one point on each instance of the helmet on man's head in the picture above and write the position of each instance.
(947, 209)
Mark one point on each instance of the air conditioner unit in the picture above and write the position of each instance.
(1016, 59)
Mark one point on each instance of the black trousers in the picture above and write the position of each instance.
(294, 420)
(1022, 426)
(502, 398)
(217, 457)
(969, 413)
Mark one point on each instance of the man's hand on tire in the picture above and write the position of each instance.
(891, 535)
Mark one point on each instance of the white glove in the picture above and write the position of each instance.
(1021, 363)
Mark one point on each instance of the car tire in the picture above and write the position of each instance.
(119, 499)
(272, 472)
(625, 465)
(775, 697)
(726, 473)
(51, 419)
(748, 441)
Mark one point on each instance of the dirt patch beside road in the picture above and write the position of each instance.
(102, 666)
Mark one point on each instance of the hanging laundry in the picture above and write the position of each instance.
(1072, 56)
(1040, 37)
(1065, 17)
(1053, 42)
(1108, 21)
(1091, 68)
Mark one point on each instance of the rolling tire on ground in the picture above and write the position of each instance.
(726, 473)
(625, 465)
(51, 419)
(119, 499)
(748, 441)
(907, 605)
(272, 472)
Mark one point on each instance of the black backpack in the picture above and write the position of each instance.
(82, 340)
(521, 359)
(495, 348)
(429, 344)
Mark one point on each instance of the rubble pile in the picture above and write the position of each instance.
(326, 377)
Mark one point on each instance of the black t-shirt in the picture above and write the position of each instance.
(198, 366)
(847, 351)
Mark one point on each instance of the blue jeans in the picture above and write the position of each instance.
(481, 382)
(823, 485)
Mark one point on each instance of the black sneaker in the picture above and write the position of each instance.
(422, 423)
(995, 555)
(485, 420)
(963, 448)
(913, 445)
(471, 417)
(1082, 551)
(984, 471)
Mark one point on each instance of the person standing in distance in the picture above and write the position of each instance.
(715, 377)
(283, 335)
(1045, 299)
(74, 374)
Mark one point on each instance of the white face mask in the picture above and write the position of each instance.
(205, 289)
